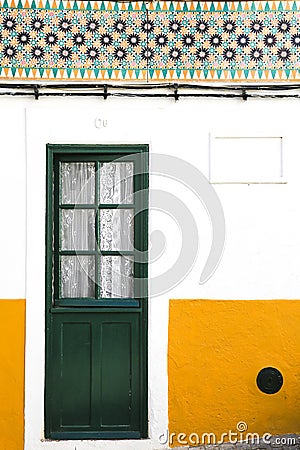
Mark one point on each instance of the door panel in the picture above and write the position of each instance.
(116, 346)
(96, 372)
(75, 364)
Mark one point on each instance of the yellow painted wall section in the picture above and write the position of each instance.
(216, 349)
(12, 330)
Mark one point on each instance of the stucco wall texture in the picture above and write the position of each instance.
(216, 349)
(12, 328)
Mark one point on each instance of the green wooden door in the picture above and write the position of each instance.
(96, 311)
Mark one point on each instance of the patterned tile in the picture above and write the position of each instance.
(224, 40)
(160, 40)
(72, 39)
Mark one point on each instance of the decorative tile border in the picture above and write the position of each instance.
(149, 41)
(161, 5)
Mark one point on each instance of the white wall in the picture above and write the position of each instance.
(13, 199)
(262, 253)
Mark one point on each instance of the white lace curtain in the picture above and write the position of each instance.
(77, 230)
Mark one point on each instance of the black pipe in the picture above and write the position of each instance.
(111, 90)
(149, 86)
(132, 95)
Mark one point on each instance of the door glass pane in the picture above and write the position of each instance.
(117, 277)
(116, 182)
(116, 229)
(77, 275)
(77, 183)
(77, 229)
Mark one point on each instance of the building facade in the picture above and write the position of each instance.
(163, 126)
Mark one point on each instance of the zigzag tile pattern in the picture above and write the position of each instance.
(157, 41)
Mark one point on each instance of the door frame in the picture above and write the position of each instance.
(69, 149)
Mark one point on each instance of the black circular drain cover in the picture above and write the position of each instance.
(269, 380)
